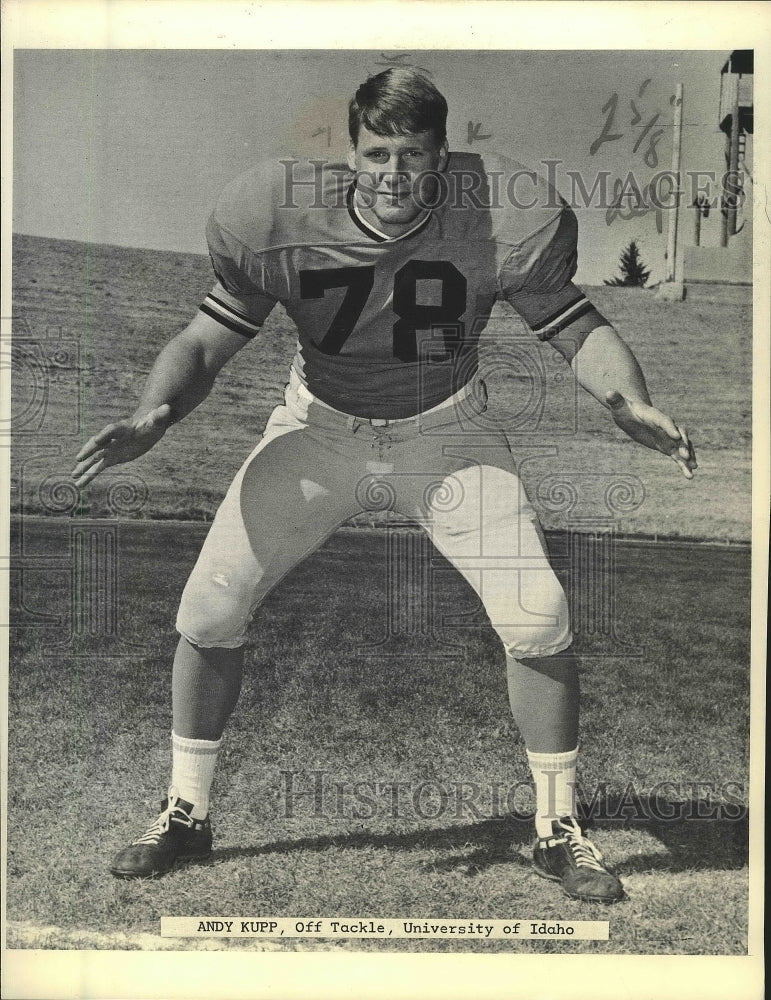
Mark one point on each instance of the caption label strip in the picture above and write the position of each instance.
(370, 928)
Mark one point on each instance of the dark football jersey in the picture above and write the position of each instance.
(388, 327)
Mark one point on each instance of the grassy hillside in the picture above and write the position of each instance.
(90, 319)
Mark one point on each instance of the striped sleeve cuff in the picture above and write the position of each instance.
(234, 319)
(549, 326)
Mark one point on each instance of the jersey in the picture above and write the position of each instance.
(389, 327)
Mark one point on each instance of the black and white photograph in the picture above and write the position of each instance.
(385, 499)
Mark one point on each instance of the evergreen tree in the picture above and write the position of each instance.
(634, 274)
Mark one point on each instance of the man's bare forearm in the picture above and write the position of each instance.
(606, 363)
(180, 377)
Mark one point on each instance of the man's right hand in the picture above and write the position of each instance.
(120, 442)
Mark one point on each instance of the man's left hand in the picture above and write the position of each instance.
(649, 426)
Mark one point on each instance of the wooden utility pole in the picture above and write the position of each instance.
(673, 215)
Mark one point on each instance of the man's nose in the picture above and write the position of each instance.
(394, 172)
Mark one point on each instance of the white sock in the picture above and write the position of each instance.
(554, 775)
(192, 773)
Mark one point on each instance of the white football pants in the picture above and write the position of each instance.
(315, 467)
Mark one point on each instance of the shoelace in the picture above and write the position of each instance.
(585, 854)
(154, 833)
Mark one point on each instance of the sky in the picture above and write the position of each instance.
(131, 147)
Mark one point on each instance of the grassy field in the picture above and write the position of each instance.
(89, 321)
(89, 750)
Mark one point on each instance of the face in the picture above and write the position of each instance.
(389, 169)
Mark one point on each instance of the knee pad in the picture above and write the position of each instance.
(213, 613)
(532, 620)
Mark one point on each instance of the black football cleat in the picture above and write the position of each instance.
(174, 836)
(570, 858)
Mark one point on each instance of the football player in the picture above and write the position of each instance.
(389, 266)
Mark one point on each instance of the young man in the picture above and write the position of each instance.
(389, 267)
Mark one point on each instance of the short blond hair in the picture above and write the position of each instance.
(398, 101)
